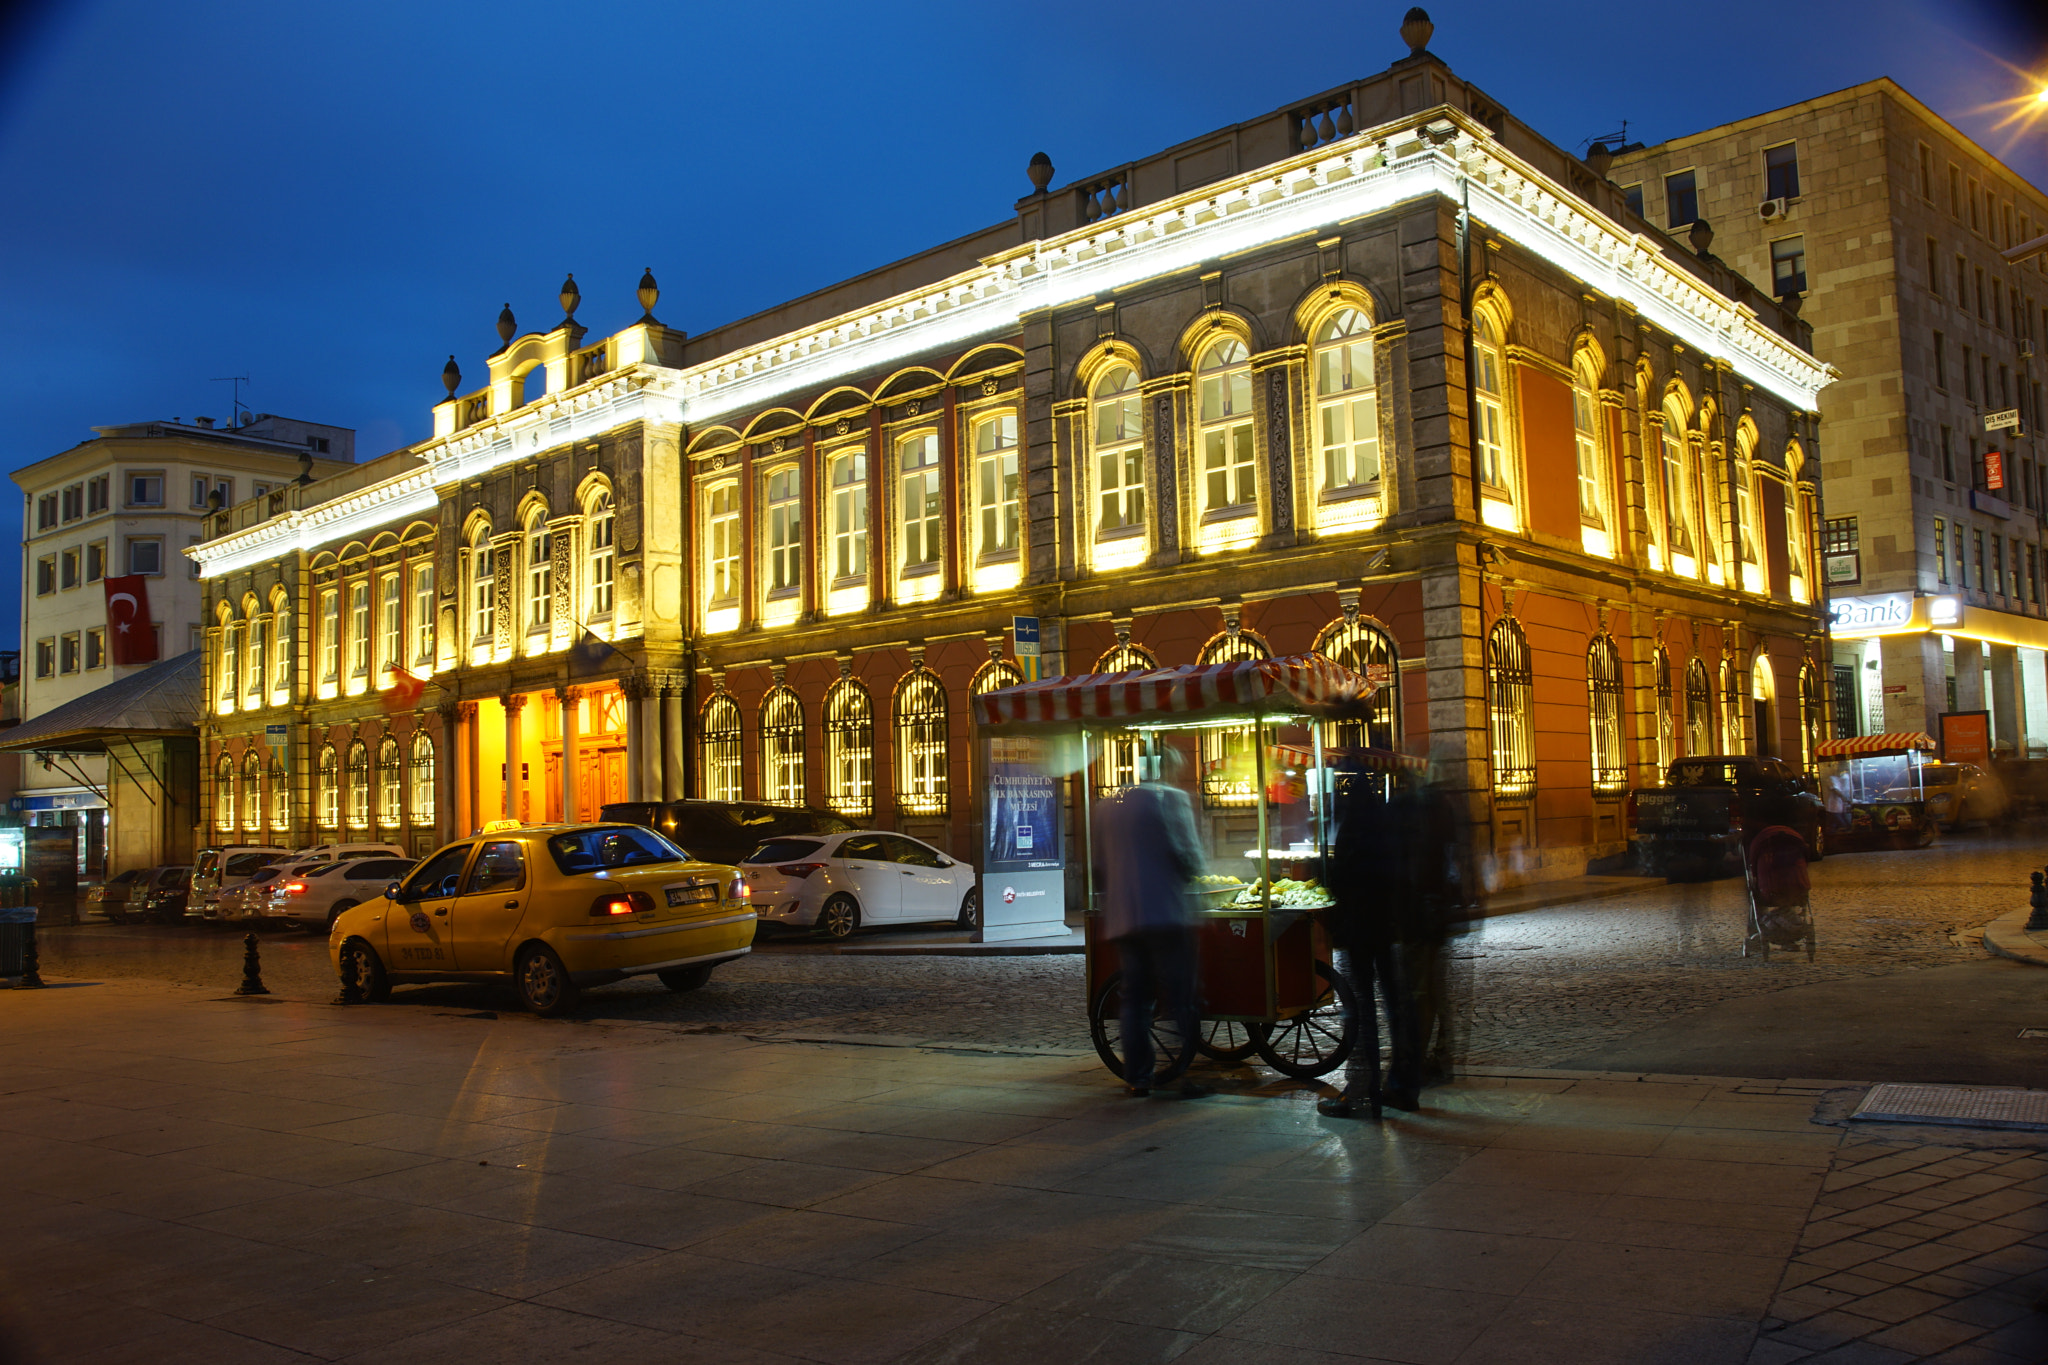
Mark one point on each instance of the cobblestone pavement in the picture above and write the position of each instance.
(1540, 986)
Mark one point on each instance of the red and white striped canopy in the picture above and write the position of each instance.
(1861, 746)
(1243, 687)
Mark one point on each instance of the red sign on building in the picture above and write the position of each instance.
(1994, 471)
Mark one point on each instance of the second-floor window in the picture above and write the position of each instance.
(785, 530)
(74, 502)
(390, 623)
(1224, 384)
(258, 651)
(67, 569)
(359, 629)
(95, 561)
(1119, 452)
(1347, 412)
(602, 527)
(1676, 489)
(540, 576)
(921, 502)
(1681, 199)
(46, 575)
(146, 556)
(46, 511)
(1585, 415)
(1490, 440)
(849, 514)
(997, 487)
(96, 494)
(483, 589)
(1781, 171)
(281, 648)
(722, 541)
(330, 635)
(1788, 266)
(145, 490)
(423, 613)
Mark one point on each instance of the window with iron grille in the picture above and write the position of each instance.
(280, 795)
(921, 743)
(1371, 653)
(1511, 695)
(224, 795)
(782, 748)
(252, 792)
(850, 750)
(422, 781)
(1731, 708)
(328, 793)
(1117, 769)
(721, 747)
(390, 782)
(1229, 767)
(1604, 705)
(1667, 730)
(359, 786)
(1699, 709)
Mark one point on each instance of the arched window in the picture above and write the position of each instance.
(1224, 383)
(1667, 725)
(994, 676)
(1347, 408)
(997, 487)
(599, 523)
(358, 785)
(919, 507)
(281, 656)
(422, 782)
(327, 789)
(1746, 503)
(1511, 696)
(228, 663)
(1604, 703)
(252, 792)
(1489, 381)
(1586, 435)
(849, 555)
(256, 652)
(1119, 453)
(390, 783)
(540, 573)
(722, 544)
(1731, 708)
(1229, 767)
(224, 796)
(721, 748)
(782, 748)
(1796, 542)
(850, 750)
(921, 767)
(1370, 653)
(1699, 709)
(1675, 484)
(483, 588)
(1118, 766)
(359, 628)
(280, 795)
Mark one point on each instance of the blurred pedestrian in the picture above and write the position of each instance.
(1146, 851)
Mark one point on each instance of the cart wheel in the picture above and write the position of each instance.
(1316, 1041)
(1229, 1040)
(1171, 1052)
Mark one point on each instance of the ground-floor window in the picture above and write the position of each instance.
(721, 746)
(1605, 701)
(782, 748)
(1510, 694)
(921, 743)
(359, 785)
(850, 750)
(422, 781)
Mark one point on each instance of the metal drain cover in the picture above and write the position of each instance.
(1956, 1105)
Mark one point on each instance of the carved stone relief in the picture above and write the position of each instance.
(1278, 453)
(1164, 473)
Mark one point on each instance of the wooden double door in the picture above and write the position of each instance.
(600, 778)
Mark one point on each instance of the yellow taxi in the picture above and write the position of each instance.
(550, 909)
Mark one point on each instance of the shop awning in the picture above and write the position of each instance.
(1296, 684)
(163, 699)
(1862, 746)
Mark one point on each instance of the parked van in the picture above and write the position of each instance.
(218, 867)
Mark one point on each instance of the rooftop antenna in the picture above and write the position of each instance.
(238, 407)
(1614, 140)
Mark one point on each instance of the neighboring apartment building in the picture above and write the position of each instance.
(129, 501)
(1266, 392)
(1889, 225)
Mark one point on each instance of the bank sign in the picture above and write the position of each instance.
(1880, 611)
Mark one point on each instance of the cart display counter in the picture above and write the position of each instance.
(1875, 791)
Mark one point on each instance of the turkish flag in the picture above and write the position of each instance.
(130, 636)
(404, 692)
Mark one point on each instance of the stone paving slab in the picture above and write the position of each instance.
(219, 1180)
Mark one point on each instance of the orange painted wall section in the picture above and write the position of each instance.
(1550, 453)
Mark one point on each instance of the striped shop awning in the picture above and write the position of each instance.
(1861, 746)
(1295, 684)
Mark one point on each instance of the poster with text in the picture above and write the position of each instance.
(1966, 738)
(1023, 812)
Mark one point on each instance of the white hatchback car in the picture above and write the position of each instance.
(249, 899)
(311, 899)
(835, 883)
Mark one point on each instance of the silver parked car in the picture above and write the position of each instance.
(311, 899)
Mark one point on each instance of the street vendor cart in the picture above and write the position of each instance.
(1260, 782)
(1874, 791)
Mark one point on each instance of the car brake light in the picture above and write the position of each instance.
(620, 903)
(799, 870)
(294, 888)
(737, 890)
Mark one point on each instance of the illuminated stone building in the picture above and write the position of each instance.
(1271, 390)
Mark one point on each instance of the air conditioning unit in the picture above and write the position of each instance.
(1771, 210)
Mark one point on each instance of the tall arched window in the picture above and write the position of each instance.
(358, 785)
(721, 748)
(256, 652)
(1604, 703)
(1224, 385)
(1119, 453)
(1667, 725)
(1675, 486)
(921, 768)
(1731, 708)
(1747, 538)
(281, 654)
(1699, 709)
(1511, 698)
(1489, 384)
(994, 676)
(252, 792)
(1347, 408)
(483, 588)
(224, 795)
(1118, 766)
(1229, 767)
(848, 558)
(327, 789)
(782, 748)
(1371, 653)
(390, 783)
(850, 750)
(722, 544)
(1586, 437)
(919, 504)
(422, 782)
(228, 663)
(998, 490)
(540, 573)
(600, 521)
(280, 795)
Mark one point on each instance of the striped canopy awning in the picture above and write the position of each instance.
(1296, 684)
(1863, 746)
(1367, 760)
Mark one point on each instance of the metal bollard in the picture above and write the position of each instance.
(351, 983)
(252, 969)
(31, 978)
(2037, 922)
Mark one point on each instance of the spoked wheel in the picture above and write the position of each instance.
(1229, 1040)
(1316, 1041)
(840, 917)
(1171, 1052)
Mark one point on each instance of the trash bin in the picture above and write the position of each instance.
(17, 926)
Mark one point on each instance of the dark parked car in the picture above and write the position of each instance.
(725, 831)
(1709, 807)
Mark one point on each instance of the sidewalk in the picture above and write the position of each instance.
(221, 1180)
(2008, 937)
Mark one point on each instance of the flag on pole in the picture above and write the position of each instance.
(131, 637)
(590, 656)
(404, 692)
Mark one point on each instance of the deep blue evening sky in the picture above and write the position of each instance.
(332, 198)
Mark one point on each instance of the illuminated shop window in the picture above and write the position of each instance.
(782, 748)
(850, 750)
(921, 744)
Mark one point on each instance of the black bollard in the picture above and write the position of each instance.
(351, 982)
(2037, 921)
(252, 969)
(31, 978)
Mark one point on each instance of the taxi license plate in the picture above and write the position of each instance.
(693, 894)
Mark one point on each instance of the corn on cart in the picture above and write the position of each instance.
(1256, 771)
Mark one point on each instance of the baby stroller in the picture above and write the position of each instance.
(1774, 874)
